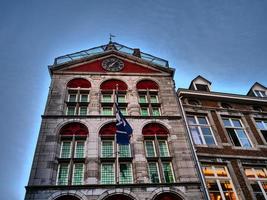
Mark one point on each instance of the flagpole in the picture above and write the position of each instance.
(117, 167)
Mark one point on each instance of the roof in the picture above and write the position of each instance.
(252, 87)
(190, 86)
(111, 46)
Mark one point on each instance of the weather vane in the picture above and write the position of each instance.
(110, 37)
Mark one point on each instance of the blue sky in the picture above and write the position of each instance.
(224, 41)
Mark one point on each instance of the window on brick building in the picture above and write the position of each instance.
(148, 98)
(262, 127)
(219, 182)
(78, 97)
(72, 154)
(257, 177)
(108, 89)
(157, 153)
(108, 156)
(236, 132)
(200, 129)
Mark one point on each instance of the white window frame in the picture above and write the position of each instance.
(145, 95)
(67, 172)
(157, 97)
(111, 98)
(76, 141)
(260, 93)
(154, 147)
(147, 108)
(113, 148)
(218, 178)
(72, 179)
(131, 167)
(234, 127)
(159, 109)
(258, 180)
(113, 166)
(80, 97)
(67, 110)
(166, 143)
(157, 165)
(76, 97)
(61, 147)
(171, 170)
(124, 96)
(129, 149)
(198, 126)
(80, 110)
(102, 110)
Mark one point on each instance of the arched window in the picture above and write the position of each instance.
(148, 98)
(72, 154)
(119, 197)
(67, 197)
(157, 153)
(108, 96)
(109, 149)
(78, 96)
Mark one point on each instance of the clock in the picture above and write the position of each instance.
(112, 64)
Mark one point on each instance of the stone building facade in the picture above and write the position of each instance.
(75, 156)
(229, 135)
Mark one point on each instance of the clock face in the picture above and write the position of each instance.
(112, 64)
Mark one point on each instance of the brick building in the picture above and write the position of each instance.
(228, 133)
(75, 152)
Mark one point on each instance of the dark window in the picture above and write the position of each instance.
(202, 87)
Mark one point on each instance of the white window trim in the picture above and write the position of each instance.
(242, 127)
(80, 110)
(67, 110)
(155, 152)
(76, 97)
(80, 98)
(260, 93)
(124, 96)
(262, 121)
(113, 167)
(157, 166)
(102, 110)
(159, 109)
(148, 114)
(218, 178)
(76, 147)
(171, 171)
(58, 172)
(129, 149)
(108, 94)
(61, 148)
(74, 166)
(144, 96)
(166, 143)
(113, 148)
(131, 167)
(157, 98)
(198, 126)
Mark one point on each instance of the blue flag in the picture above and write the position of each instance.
(123, 128)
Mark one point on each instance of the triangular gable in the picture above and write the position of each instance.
(256, 86)
(199, 80)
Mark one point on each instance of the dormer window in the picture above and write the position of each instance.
(202, 87)
(260, 93)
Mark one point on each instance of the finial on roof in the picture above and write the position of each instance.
(110, 37)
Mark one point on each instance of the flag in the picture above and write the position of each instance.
(123, 128)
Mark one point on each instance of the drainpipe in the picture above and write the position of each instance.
(199, 170)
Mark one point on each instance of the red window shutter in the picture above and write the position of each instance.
(108, 129)
(79, 82)
(111, 85)
(74, 128)
(155, 129)
(147, 85)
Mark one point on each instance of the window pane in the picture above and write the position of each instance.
(226, 122)
(123, 111)
(221, 172)
(191, 120)
(84, 98)
(155, 111)
(63, 174)
(260, 125)
(125, 150)
(126, 173)
(144, 111)
(142, 99)
(236, 123)
(196, 135)
(202, 120)
(83, 110)
(77, 174)
(208, 171)
(260, 173)
(167, 171)
(233, 136)
(71, 110)
(264, 133)
(150, 151)
(163, 148)
(154, 99)
(65, 149)
(207, 135)
(72, 97)
(121, 99)
(249, 173)
(107, 98)
(107, 174)
(257, 191)
(79, 151)
(107, 149)
(153, 172)
(107, 111)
